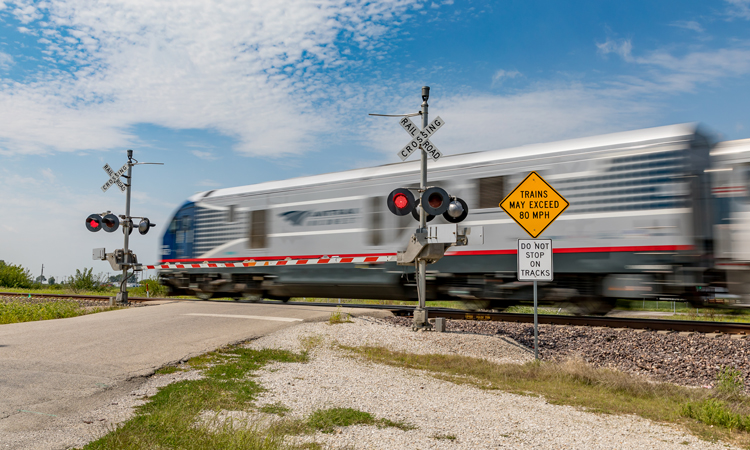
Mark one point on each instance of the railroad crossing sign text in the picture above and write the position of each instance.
(534, 204)
(420, 138)
(114, 177)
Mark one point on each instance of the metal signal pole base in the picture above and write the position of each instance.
(420, 320)
(122, 298)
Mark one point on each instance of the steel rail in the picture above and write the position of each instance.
(456, 314)
(697, 326)
(608, 322)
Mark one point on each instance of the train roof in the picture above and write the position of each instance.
(729, 147)
(656, 134)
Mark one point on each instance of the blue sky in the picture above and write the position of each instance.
(229, 93)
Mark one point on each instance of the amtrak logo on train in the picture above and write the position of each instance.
(317, 218)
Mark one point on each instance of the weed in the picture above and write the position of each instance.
(86, 281)
(729, 382)
(713, 411)
(449, 437)
(326, 420)
(338, 317)
(168, 369)
(310, 342)
(274, 408)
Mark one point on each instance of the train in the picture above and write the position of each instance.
(658, 213)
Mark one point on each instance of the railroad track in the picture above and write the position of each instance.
(103, 298)
(548, 319)
(456, 314)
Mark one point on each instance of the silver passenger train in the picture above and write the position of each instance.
(653, 214)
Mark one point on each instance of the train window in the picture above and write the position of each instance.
(375, 235)
(257, 230)
(230, 214)
(491, 192)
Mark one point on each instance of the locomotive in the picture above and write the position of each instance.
(657, 213)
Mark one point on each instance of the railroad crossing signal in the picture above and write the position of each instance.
(534, 204)
(106, 222)
(436, 202)
(420, 138)
(114, 177)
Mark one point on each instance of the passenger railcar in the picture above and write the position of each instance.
(640, 224)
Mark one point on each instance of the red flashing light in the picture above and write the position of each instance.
(400, 201)
(94, 224)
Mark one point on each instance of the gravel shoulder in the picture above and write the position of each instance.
(475, 417)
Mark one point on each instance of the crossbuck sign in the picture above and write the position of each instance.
(420, 138)
(114, 177)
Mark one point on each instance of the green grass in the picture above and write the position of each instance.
(15, 311)
(709, 415)
(168, 420)
(173, 419)
(327, 420)
(274, 408)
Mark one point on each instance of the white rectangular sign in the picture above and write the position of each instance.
(535, 260)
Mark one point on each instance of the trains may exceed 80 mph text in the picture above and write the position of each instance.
(534, 204)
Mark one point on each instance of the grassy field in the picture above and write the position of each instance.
(15, 311)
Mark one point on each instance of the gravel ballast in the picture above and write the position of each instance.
(691, 359)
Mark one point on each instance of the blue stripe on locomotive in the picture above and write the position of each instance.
(178, 240)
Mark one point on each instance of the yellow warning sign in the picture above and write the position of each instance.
(534, 204)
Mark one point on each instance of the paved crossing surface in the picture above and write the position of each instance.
(54, 368)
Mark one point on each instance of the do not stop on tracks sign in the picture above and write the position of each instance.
(534, 204)
(535, 260)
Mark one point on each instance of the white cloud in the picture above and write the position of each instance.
(49, 175)
(543, 113)
(208, 156)
(688, 25)
(738, 9)
(621, 47)
(501, 74)
(5, 61)
(242, 68)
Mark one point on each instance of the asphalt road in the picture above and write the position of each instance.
(53, 369)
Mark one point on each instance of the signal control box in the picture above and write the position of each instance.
(117, 259)
(430, 243)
